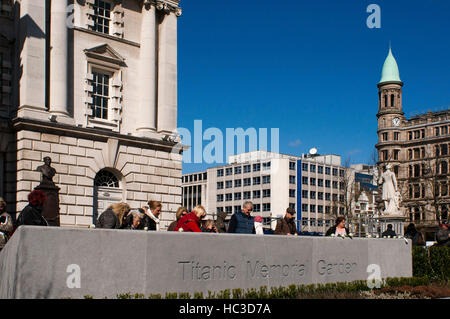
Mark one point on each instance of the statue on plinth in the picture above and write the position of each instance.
(50, 210)
(390, 196)
(47, 171)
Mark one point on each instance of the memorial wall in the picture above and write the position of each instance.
(62, 262)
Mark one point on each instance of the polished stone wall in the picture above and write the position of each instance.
(60, 262)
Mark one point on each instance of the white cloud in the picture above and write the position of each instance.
(295, 143)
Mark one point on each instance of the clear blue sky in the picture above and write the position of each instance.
(309, 68)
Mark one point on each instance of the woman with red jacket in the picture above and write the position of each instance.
(191, 221)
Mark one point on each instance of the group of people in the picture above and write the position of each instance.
(147, 218)
(121, 216)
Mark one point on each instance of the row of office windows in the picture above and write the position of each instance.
(420, 153)
(192, 196)
(245, 195)
(321, 169)
(419, 170)
(321, 196)
(245, 182)
(321, 182)
(243, 169)
(321, 209)
(195, 177)
(385, 136)
(257, 208)
(417, 191)
(419, 134)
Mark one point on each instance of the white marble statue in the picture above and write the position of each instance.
(391, 195)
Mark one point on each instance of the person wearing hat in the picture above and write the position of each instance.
(286, 226)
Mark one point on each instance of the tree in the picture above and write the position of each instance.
(348, 185)
(435, 176)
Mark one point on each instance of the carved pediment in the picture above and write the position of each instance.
(105, 52)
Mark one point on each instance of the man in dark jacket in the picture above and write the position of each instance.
(388, 232)
(108, 219)
(220, 222)
(443, 236)
(242, 222)
(286, 226)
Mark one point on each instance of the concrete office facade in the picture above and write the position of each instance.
(95, 89)
(312, 185)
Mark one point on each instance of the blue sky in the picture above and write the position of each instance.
(309, 68)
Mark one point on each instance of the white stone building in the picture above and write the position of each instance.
(93, 85)
(312, 185)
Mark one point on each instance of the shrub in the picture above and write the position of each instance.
(432, 263)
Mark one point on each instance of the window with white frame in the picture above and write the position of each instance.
(104, 87)
(100, 96)
(102, 16)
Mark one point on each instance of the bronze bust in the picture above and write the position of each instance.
(47, 171)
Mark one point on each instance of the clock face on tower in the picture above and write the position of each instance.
(396, 122)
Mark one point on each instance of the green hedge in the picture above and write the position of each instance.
(291, 292)
(432, 263)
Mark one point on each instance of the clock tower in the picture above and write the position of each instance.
(390, 114)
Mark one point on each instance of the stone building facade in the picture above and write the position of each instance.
(93, 85)
(418, 149)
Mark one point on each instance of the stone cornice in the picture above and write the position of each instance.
(94, 134)
(167, 6)
(393, 112)
(110, 37)
(388, 83)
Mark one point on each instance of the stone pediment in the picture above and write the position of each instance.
(105, 52)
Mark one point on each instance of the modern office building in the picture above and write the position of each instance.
(313, 185)
(93, 85)
(418, 149)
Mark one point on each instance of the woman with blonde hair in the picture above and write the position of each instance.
(121, 210)
(113, 217)
(151, 217)
(191, 221)
(181, 211)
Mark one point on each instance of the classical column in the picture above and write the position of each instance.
(32, 55)
(167, 73)
(147, 108)
(59, 57)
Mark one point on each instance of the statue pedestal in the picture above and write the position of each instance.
(50, 210)
(397, 224)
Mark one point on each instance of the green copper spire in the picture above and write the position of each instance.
(390, 69)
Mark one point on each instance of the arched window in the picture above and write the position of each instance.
(106, 179)
(386, 102)
(392, 100)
